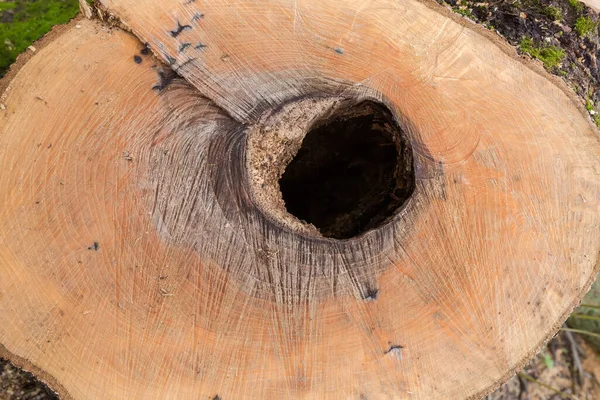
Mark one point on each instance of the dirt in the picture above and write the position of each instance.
(16, 384)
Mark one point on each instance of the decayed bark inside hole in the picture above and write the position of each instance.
(343, 165)
(138, 260)
(272, 143)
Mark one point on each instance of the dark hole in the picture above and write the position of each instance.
(352, 173)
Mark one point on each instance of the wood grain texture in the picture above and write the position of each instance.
(136, 264)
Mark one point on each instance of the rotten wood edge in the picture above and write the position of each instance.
(494, 38)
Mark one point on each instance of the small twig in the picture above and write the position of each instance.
(581, 331)
(522, 387)
(589, 306)
(558, 392)
(553, 345)
(583, 316)
(578, 368)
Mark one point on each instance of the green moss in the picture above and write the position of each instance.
(551, 56)
(9, 5)
(584, 26)
(462, 9)
(534, 5)
(465, 12)
(31, 19)
(589, 105)
(576, 6)
(552, 12)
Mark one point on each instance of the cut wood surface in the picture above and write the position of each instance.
(594, 4)
(140, 258)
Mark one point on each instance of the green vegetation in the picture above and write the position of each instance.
(26, 21)
(548, 360)
(584, 26)
(595, 117)
(463, 9)
(576, 6)
(465, 12)
(8, 5)
(536, 6)
(552, 12)
(551, 56)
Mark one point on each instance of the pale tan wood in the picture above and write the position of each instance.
(194, 293)
(593, 4)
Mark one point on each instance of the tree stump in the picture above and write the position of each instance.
(271, 199)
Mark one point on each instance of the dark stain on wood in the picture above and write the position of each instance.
(165, 78)
(394, 348)
(371, 294)
(180, 28)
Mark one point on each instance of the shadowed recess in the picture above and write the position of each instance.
(352, 173)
